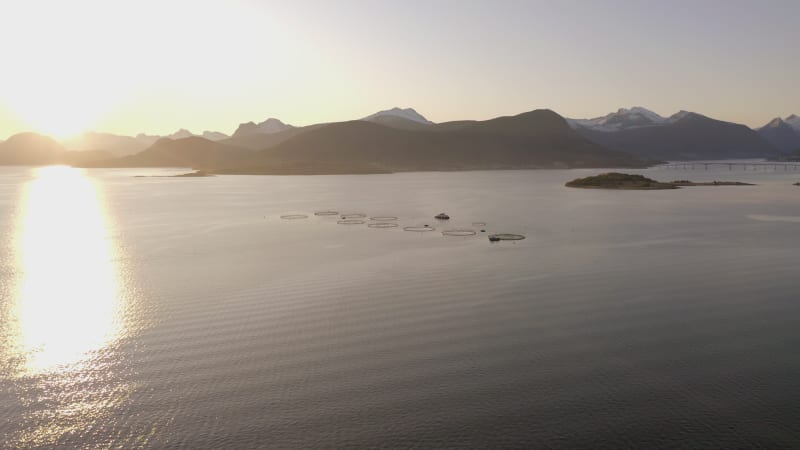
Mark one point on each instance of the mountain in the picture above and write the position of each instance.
(114, 144)
(622, 119)
(389, 115)
(180, 134)
(401, 123)
(194, 152)
(30, 149)
(117, 145)
(782, 134)
(147, 139)
(536, 139)
(268, 126)
(794, 122)
(684, 136)
(261, 141)
(214, 135)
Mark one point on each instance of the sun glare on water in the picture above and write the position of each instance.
(68, 298)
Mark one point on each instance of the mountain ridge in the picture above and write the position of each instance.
(268, 126)
(686, 135)
(537, 139)
(396, 112)
(640, 133)
(623, 118)
(782, 134)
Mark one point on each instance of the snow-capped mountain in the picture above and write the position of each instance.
(622, 119)
(776, 123)
(268, 126)
(794, 122)
(403, 113)
(683, 136)
(782, 133)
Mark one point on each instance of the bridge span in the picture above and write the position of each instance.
(731, 165)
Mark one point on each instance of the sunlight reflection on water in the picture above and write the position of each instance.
(68, 299)
(68, 307)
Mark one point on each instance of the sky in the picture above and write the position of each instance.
(153, 66)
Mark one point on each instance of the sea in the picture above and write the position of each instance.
(140, 310)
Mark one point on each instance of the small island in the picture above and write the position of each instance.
(615, 180)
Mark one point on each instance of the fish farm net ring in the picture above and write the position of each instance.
(353, 216)
(350, 222)
(459, 232)
(382, 225)
(294, 216)
(420, 229)
(478, 224)
(326, 213)
(383, 218)
(508, 237)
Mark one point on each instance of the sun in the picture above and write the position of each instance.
(59, 106)
(58, 120)
(59, 111)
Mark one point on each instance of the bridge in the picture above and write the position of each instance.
(731, 165)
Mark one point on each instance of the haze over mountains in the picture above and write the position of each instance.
(537, 139)
(117, 145)
(401, 139)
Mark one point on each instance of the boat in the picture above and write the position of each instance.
(493, 238)
(442, 216)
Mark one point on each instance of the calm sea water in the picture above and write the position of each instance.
(185, 313)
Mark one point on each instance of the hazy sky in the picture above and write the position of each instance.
(156, 65)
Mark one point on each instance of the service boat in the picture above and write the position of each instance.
(442, 216)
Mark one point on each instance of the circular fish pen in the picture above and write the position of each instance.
(382, 225)
(506, 237)
(353, 216)
(383, 218)
(459, 232)
(350, 222)
(294, 216)
(420, 229)
(326, 213)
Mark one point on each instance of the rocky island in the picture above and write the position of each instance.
(616, 180)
